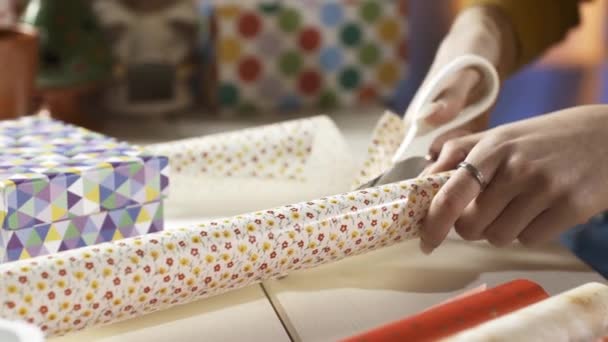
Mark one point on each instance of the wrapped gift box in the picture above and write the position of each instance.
(286, 55)
(64, 187)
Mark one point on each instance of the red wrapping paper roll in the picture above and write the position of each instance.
(458, 315)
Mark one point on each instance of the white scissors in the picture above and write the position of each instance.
(409, 160)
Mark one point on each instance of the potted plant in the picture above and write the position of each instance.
(74, 57)
(18, 55)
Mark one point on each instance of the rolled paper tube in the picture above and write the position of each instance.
(580, 314)
(465, 294)
(257, 168)
(127, 278)
(459, 314)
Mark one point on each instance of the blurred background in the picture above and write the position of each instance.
(105, 60)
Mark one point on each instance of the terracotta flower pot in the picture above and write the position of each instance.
(72, 104)
(18, 68)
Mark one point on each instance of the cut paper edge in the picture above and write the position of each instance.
(384, 142)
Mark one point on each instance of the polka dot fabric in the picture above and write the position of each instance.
(115, 281)
(309, 53)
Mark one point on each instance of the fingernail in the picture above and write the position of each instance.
(442, 105)
(431, 157)
(426, 248)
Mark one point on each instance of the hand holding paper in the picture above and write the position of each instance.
(542, 179)
(114, 281)
(409, 160)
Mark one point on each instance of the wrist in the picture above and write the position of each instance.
(485, 31)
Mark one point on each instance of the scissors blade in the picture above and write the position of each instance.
(406, 169)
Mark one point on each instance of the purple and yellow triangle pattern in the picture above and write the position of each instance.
(51, 171)
(80, 231)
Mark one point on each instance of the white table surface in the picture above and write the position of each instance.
(236, 316)
(338, 300)
(341, 299)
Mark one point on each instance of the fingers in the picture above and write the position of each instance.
(437, 145)
(506, 185)
(435, 111)
(458, 91)
(455, 195)
(486, 208)
(454, 96)
(445, 208)
(546, 226)
(453, 152)
(514, 219)
(446, 109)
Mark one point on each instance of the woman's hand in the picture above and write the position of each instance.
(483, 31)
(544, 175)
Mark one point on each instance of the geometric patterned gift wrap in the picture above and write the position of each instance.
(285, 55)
(52, 172)
(81, 231)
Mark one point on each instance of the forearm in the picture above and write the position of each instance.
(536, 25)
(485, 31)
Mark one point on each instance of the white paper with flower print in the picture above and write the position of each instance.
(257, 168)
(386, 139)
(114, 281)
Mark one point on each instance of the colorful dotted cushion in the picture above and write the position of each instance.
(288, 55)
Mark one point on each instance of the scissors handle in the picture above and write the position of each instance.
(421, 135)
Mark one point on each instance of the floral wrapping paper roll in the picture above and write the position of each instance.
(123, 279)
(257, 168)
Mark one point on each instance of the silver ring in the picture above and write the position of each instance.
(475, 173)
